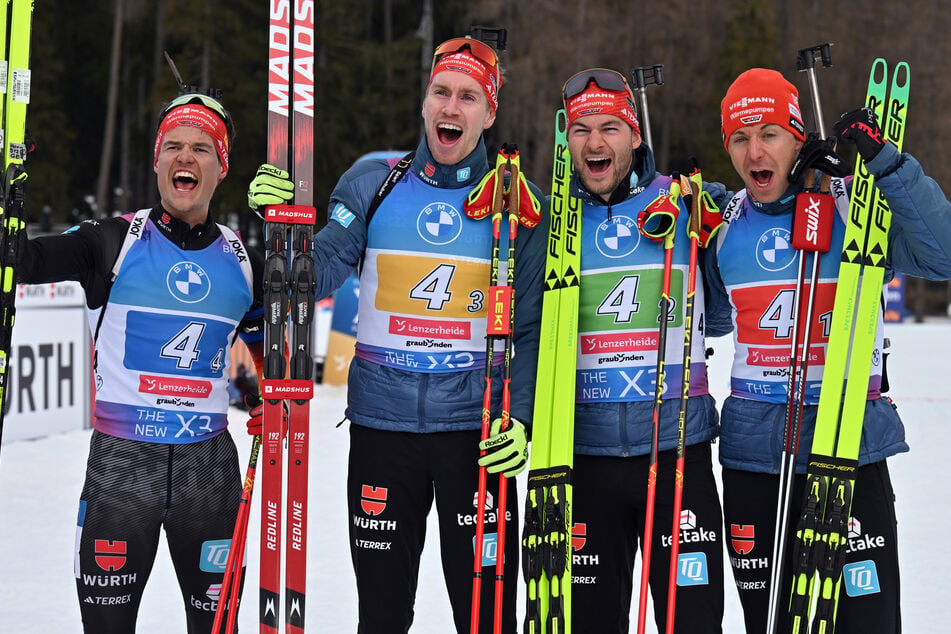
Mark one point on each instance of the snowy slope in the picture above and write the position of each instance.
(40, 483)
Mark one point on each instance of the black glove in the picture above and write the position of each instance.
(818, 154)
(861, 128)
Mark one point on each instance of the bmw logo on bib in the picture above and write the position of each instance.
(617, 237)
(774, 250)
(188, 282)
(439, 223)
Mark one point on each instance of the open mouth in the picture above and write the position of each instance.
(184, 181)
(598, 166)
(762, 178)
(448, 133)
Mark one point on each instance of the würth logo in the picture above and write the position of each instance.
(110, 555)
(741, 538)
(373, 499)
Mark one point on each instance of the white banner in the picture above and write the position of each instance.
(48, 377)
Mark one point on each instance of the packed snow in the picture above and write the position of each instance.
(40, 482)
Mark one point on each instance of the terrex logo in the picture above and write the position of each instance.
(373, 499)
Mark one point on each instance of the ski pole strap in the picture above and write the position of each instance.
(486, 197)
(708, 218)
(660, 216)
(520, 199)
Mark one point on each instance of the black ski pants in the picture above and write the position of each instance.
(393, 479)
(609, 499)
(133, 489)
(869, 597)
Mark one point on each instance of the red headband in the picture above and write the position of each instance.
(597, 100)
(200, 117)
(463, 62)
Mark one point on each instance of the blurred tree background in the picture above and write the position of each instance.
(94, 152)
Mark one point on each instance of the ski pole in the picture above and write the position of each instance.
(509, 290)
(692, 200)
(495, 325)
(672, 204)
(815, 208)
(643, 77)
(231, 584)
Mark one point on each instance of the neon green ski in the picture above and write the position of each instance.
(546, 540)
(821, 536)
(15, 82)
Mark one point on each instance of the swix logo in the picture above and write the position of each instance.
(812, 220)
(579, 534)
(373, 499)
(110, 555)
(742, 538)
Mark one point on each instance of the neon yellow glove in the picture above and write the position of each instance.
(271, 186)
(506, 451)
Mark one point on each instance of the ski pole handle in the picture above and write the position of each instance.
(644, 76)
(806, 61)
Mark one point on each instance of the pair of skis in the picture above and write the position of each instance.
(289, 287)
(16, 19)
(546, 537)
(821, 535)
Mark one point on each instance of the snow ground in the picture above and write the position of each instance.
(40, 483)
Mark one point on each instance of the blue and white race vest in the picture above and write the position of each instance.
(621, 283)
(759, 268)
(424, 281)
(163, 342)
